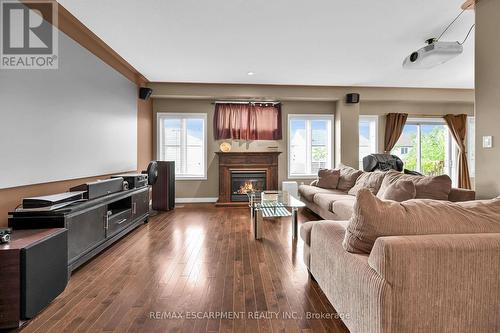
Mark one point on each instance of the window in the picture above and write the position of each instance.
(368, 129)
(426, 146)
(182, 138)
(309, 145)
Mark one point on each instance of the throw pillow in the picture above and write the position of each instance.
(428, 187)
(348, 177)
(400, 190)
(369, 180)
(328, 178)
(373, 218)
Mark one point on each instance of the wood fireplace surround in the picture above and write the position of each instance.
(245, 161)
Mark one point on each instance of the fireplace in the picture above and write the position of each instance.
(244, 181)
(242, 171)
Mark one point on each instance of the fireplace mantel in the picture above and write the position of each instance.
(252, 161)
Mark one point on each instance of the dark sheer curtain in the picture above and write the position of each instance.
(247, 121)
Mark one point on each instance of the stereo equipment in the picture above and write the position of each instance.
(134, 180)
(352, 98)
(52, 200)
(5, 235)
(144, 93)
(100, 188)
(164, 188)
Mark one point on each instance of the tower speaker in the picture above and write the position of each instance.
(352, 98)
(164, 188)
(144, 93)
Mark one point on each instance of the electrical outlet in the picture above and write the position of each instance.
(487, 141)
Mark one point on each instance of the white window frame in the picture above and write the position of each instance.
(369, 118)
(449, 143)
(159, 135)
(308, 134)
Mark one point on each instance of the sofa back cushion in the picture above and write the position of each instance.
(373, 218)
(369, 180)
(348, 177)
(400, 190)
(427, 187)
(328, 178)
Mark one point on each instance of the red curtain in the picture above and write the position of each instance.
(247, 121)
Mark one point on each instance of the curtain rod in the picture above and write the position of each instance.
(244, 102)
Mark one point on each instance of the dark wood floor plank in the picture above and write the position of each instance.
(198, 260)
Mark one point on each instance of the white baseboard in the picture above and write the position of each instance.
(196, 200)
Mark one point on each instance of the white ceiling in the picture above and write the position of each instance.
(308, 42)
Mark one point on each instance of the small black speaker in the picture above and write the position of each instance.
(352, 98)
(144, 93)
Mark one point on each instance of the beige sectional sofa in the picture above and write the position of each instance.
(335, 204)
(429, 282)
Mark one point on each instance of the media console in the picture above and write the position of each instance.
(92, 225)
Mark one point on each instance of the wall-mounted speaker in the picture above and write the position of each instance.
(352, 98)
(144, 93)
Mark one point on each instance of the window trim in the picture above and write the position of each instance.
(370, 118)
(159, 133)
(449, 142)
(331, 152)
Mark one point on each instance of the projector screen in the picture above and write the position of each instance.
(76, 121)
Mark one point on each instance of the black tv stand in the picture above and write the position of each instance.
(92, 225)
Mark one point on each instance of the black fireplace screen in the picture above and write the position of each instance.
(243, 182)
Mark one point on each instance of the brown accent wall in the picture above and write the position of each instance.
(144, 133)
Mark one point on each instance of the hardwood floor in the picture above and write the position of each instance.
(186, 269)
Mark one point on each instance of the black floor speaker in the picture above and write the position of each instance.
(44, 273)
(164, 188)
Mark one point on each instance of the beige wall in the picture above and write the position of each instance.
(413, 109)
(197, 98)
(487, 97)
(210, 188)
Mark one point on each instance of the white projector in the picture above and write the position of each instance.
(433, 54)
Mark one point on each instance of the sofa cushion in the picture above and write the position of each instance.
(328, 178)
(308, 192)
(373, 218)
(348, 177)
(343, 208)
(400, 190)
(369, 180)
(325, 200)
(427, 187)
(306, 228)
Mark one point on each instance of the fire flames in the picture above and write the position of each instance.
(245, 188)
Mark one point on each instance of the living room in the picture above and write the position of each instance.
(288, 167)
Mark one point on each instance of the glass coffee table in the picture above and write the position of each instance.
(273, 204)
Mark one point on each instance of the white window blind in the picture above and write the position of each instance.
(368, 137)
(182, 138)
(309, 144)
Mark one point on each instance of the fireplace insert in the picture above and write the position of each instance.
(244, 181)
